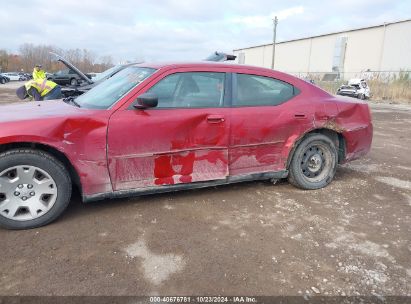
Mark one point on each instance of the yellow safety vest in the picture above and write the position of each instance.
(40, 74)
(43, 86)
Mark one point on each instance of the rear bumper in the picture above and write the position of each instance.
(358, 142)
(349, 94)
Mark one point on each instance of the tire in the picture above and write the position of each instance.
(73, 82)
(313, 163)
(35, 189)
(362, 96)
(2, 80)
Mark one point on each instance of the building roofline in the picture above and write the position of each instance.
(328, 34)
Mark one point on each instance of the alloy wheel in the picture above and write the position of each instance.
(26, 192)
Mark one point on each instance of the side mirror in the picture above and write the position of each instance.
(146, 100)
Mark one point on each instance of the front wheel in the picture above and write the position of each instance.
(313, 163)
(35, 189)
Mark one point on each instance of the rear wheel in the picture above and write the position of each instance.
(314, 162)
(2, 80)
(35, 189)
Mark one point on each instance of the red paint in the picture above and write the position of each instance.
(123, 148)
(167, 166)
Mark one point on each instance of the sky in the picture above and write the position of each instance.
(178, 30)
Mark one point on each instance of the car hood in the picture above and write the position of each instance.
(74, 68)
(38, 110)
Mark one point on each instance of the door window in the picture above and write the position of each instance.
(255, 90)
(190, 90)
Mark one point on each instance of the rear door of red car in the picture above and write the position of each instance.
(263, 119)
(184, 139)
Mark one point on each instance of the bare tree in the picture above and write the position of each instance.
(4, 60)
(30, 55)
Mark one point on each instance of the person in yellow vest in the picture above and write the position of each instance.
(40, 89)
(38, 73)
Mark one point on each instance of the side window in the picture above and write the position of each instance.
(255, 90)
(190, 90)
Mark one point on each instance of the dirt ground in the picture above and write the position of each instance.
(8, 91)
(351, 238)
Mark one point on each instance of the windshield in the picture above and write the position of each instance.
(105, 94)
(106, 73)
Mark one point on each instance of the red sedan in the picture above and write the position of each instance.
(165, 127)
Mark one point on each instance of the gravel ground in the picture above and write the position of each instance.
(8, 91)
(351, 238)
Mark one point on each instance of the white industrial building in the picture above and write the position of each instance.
(384, 47)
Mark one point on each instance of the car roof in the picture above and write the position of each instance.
(217, 65)
(198, 64)
(241, 68)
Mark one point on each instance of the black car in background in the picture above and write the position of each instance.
(67, 77)
(85, 82)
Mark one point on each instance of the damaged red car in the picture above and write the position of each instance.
(164, 127)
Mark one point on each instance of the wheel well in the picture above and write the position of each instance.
(50, 150)
(336, 137)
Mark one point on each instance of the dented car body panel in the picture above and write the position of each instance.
(123, 150)
(79, 134)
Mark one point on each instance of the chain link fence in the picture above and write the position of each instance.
(384, 85)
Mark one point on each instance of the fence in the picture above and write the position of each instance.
(384, 85)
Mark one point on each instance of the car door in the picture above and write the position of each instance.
(182, 140)
(262, 121)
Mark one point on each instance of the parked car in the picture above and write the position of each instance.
(25, 76)
(165, 127)
(357, 88)
(87, 82)
(84, 87)
(93, 75)
(66, 77)
(14, 76)
(4, 79)
(220, 57)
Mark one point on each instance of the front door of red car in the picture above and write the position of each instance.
(262, 121)
(184, 139)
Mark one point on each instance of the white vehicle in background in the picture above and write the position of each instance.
(93, 75)
(14, 76)
(357, 88)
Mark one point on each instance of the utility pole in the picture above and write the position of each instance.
(275, 20)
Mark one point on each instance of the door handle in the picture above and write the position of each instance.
(300, 116)
(214, 119)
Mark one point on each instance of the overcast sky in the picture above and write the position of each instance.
(181, 29)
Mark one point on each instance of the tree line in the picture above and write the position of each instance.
(29, 55)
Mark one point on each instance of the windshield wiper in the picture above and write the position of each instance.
(72, 101)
